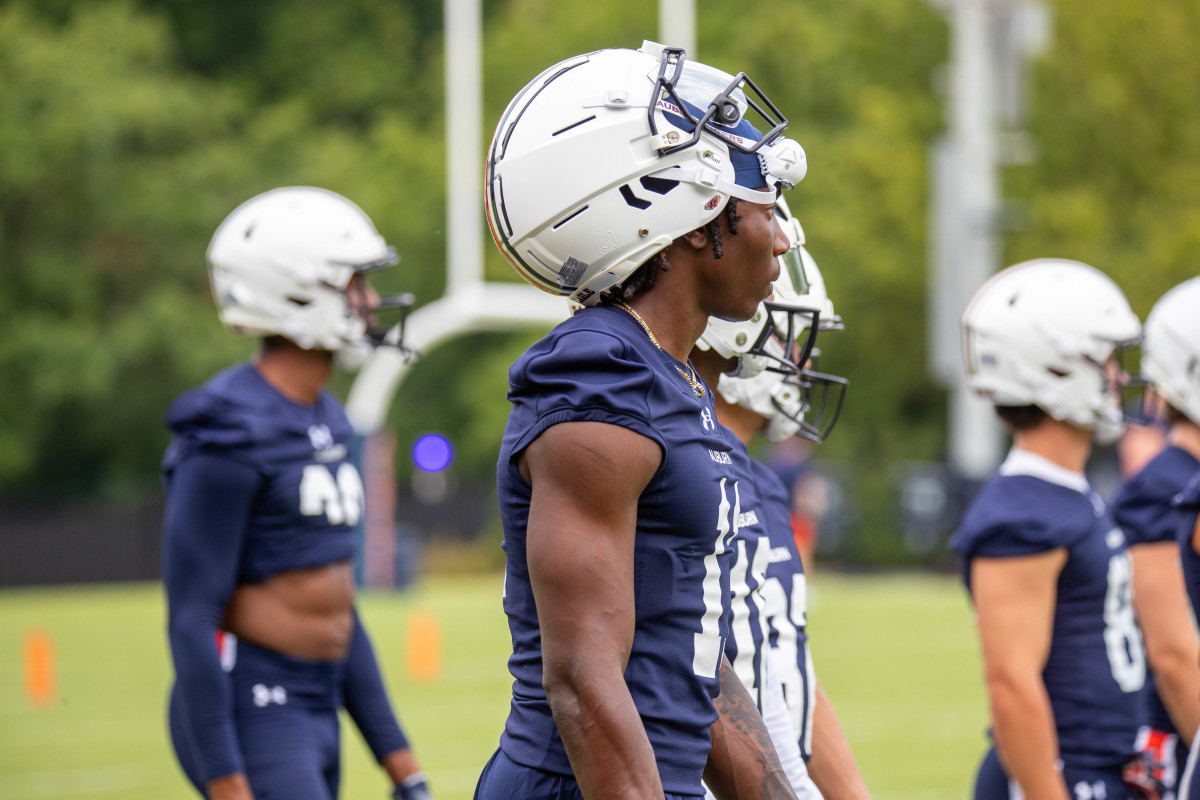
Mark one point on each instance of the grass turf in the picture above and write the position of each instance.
(895, 653)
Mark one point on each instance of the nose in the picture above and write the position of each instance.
(780, 244)
(362, 296)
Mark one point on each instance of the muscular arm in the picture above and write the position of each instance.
(1014, 600)
(742, 763)
(1171, 644)
(587, 478)
(832, 765)
(208, 502)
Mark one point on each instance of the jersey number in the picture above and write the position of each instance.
(706, 657)
(1122, 639)
(341, 500)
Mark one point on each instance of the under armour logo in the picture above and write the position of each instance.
(265, 695)
(706, 420)
(320, 436)
(1091, 791)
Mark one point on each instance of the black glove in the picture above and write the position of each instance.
(413, 788)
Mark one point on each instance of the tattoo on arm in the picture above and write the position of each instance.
(737, 707)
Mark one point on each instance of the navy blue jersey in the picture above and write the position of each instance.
(785, 606)
(1096, 666)
(310, 495)
(1143, 508)
(599, 366)
(1188, 504)
(751, 550)
(256, 485)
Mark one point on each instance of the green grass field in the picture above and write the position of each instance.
(895, 653)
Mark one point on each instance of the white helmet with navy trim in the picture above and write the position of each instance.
(1042, 333)
(280, 264)
(1171, 348)
(604, 159)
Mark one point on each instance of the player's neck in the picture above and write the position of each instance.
(1186, 436)
(675, 326)
(1060, 443)
(297, 374)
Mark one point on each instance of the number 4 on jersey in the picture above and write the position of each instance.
(341, 501)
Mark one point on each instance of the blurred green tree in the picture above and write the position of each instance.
(129, 129)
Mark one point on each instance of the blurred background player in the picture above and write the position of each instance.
(1162, 502)
(1045, 564)
(633, 183)
(763, 387)
(1146, 511)
(262, 503)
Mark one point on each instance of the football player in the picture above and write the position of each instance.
(636, 183)
(1145, 510)
(1045, 564)
(1162, 503)
(262, 503)
(761, 369)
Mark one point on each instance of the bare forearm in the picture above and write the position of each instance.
(742, 763)
(605, 740)
(1023, 727)
(832, 765)
(1178, 682)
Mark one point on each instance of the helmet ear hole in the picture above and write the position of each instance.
(657, 185)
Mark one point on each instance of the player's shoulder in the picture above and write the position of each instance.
(1021, 514)
(769, 483)
(1160, 479)
(1144, 505)
(237, 409)
(595, 347)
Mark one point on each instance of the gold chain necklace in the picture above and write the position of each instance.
(690, 375)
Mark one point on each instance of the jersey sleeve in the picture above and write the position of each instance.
(209, 498)
(1188, 498)
(582, 376)
(366, 699)
(1010, 539)
(1013, 517)
(1143, 509)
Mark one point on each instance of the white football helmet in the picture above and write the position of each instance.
(604, 159)
(772, 374)
(280, 264)
(1171, 348)
(1042, 333)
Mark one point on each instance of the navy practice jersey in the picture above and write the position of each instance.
(785, 606)
(1096, 666)
(752, 551)
(1143, 509)
(256, 485)
(1188, 504)
(310, 497)
(600, 366)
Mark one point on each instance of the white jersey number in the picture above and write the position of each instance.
(1122, 638)
(341, 501)
(706, 658)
